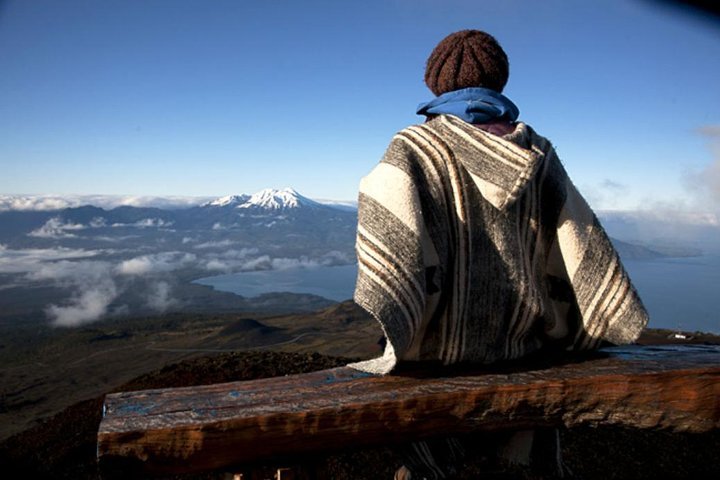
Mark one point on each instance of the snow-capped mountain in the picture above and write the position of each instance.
(267, 217)
(270, 199)
(228, 200)
(273, 201)
(278, 200)
(102, 260)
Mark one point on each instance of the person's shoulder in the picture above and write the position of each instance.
(412, 137)
(525, 135)
(430, 123)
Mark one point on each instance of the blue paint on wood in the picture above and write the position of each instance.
(330, 379)
(133, 408)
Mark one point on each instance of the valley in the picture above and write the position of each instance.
(43, 370)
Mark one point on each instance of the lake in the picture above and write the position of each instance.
(334, 283)
(679, 293)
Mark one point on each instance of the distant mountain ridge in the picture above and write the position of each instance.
(93, 261)
(277, 209)
(268, 197)
(280, 200)
(77, 264)
(228, 200)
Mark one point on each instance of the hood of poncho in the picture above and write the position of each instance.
(501, 167)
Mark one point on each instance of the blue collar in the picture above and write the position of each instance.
(473, 105)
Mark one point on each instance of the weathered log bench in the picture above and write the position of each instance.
(218, 426)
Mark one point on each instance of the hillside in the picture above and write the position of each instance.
(63, 446)
(44, 370)
(54, 382)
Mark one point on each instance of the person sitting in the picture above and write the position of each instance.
(474, 246)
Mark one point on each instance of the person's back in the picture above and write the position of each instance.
(473, 244)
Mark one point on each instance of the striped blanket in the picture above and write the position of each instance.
(478, 248)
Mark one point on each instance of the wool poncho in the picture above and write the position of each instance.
(478, 248)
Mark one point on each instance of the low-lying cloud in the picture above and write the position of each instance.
(607, 195)
(146, 223)
(74, 272)
(704, 184)
(31, 260)
(159, 297)
(155, 263)
(93, 286)
(214, 244)
(244, 260)
(59, 228)
(89, 304)
(57, 202)
(96, 282)
(56, 228)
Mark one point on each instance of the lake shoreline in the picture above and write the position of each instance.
(677, 291)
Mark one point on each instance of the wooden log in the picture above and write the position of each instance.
(209, 427)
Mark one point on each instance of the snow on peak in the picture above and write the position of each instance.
(227, 200)
(278, 199)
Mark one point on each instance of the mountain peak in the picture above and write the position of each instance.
(273, 199)
(227, 200)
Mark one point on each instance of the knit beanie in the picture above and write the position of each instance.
(468, 58)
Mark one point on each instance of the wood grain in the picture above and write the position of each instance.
(214, 426)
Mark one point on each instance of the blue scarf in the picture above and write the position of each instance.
(473, 105)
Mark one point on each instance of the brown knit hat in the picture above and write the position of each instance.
(468, 58)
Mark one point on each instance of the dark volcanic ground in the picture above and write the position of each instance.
(63, 446)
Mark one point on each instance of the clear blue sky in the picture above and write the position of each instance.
(210, 97)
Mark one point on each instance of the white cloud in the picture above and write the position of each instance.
(237, 260)
(214, 244)
(159, 297)
(89, 305)
(704, 184)
(146, 223)
(347, 205)
(107, 202)
(288, 263)
(155, 263)
(56, 228)
(606, 195)
(59, 202)
(31, 260)
(220, 265)
(239, 254)
(92, 282)
(336, 257)
(170, 202)
(119, 238)
(43, 203)
(84, 272)
(262, 262)
(98, 222)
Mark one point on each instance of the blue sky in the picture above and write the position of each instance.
(208, 98)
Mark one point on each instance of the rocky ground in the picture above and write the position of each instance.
(63, 446)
